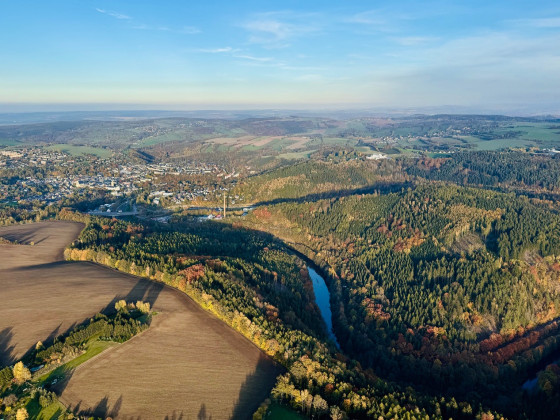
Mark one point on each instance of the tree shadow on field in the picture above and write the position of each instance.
(46, 266)
(22, 238)
(175, 416)
(256, 387)
(25, 234)
(46, 238)
(143, 290)
(51, 338)
(203, 414)
(6, 348)
(63, 377)
(102, 409)
(55, 333)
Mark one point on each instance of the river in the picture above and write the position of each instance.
(531, 383)
(323, 300)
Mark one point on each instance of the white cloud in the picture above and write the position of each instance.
(215, 50)
(252, 58)
(116, 15)
(382, 20)
(273, 28)
(369, 17)
(553, 22)
(490, 68)
(506, 49)
(413, 41)
(276, 29)
(187, 30)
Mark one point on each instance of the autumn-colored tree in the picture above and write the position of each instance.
(336, 413)
(143, 307)
(320, 406)
(9, 400)
(22, 414)
(21, 373)
(120, 305)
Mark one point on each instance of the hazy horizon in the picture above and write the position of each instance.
(498, 57)
(284, 109)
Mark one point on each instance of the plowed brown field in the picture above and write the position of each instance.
(188, 364)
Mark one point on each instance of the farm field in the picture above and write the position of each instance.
(188, 362)
(277, 143)
(8, 142)
(81, 150)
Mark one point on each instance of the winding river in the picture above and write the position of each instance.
(531, 383)
(323, 300)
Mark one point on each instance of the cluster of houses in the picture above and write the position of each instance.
(33, 156)
(119, 178)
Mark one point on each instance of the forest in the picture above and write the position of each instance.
(536, 172)
(260, 288)
(447, 288)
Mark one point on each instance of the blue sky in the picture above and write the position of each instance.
(300, 54)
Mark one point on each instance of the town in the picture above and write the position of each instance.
(37, 173)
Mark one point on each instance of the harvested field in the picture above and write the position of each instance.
(187, 362)
(239, 142)
(299, 142)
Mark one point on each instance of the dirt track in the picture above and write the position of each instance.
(187, 363)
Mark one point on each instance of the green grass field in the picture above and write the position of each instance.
(531, 135)
(281, 144)
(250, 148)
(50, 412)
(281, 412)
(163, 138)
(295, 155)
(9, 142)
(81, 150)
(498, 144)
(539, 131)
(94, 348)
(338, 141)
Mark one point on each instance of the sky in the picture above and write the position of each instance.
(487, 55)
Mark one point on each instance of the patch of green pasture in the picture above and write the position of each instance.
(250, 148)
(365, 149)
(498, 144)
(545, 132)
(281, 412)
(296, 155)
(93, 349)
(9, 142)
(339, 141)
(50, 412)
(74, 150)
(163, 138)
(470, 139)
(280, 144)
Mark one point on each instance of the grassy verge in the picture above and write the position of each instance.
(94, 347)
(52, 411)
(281, 412)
